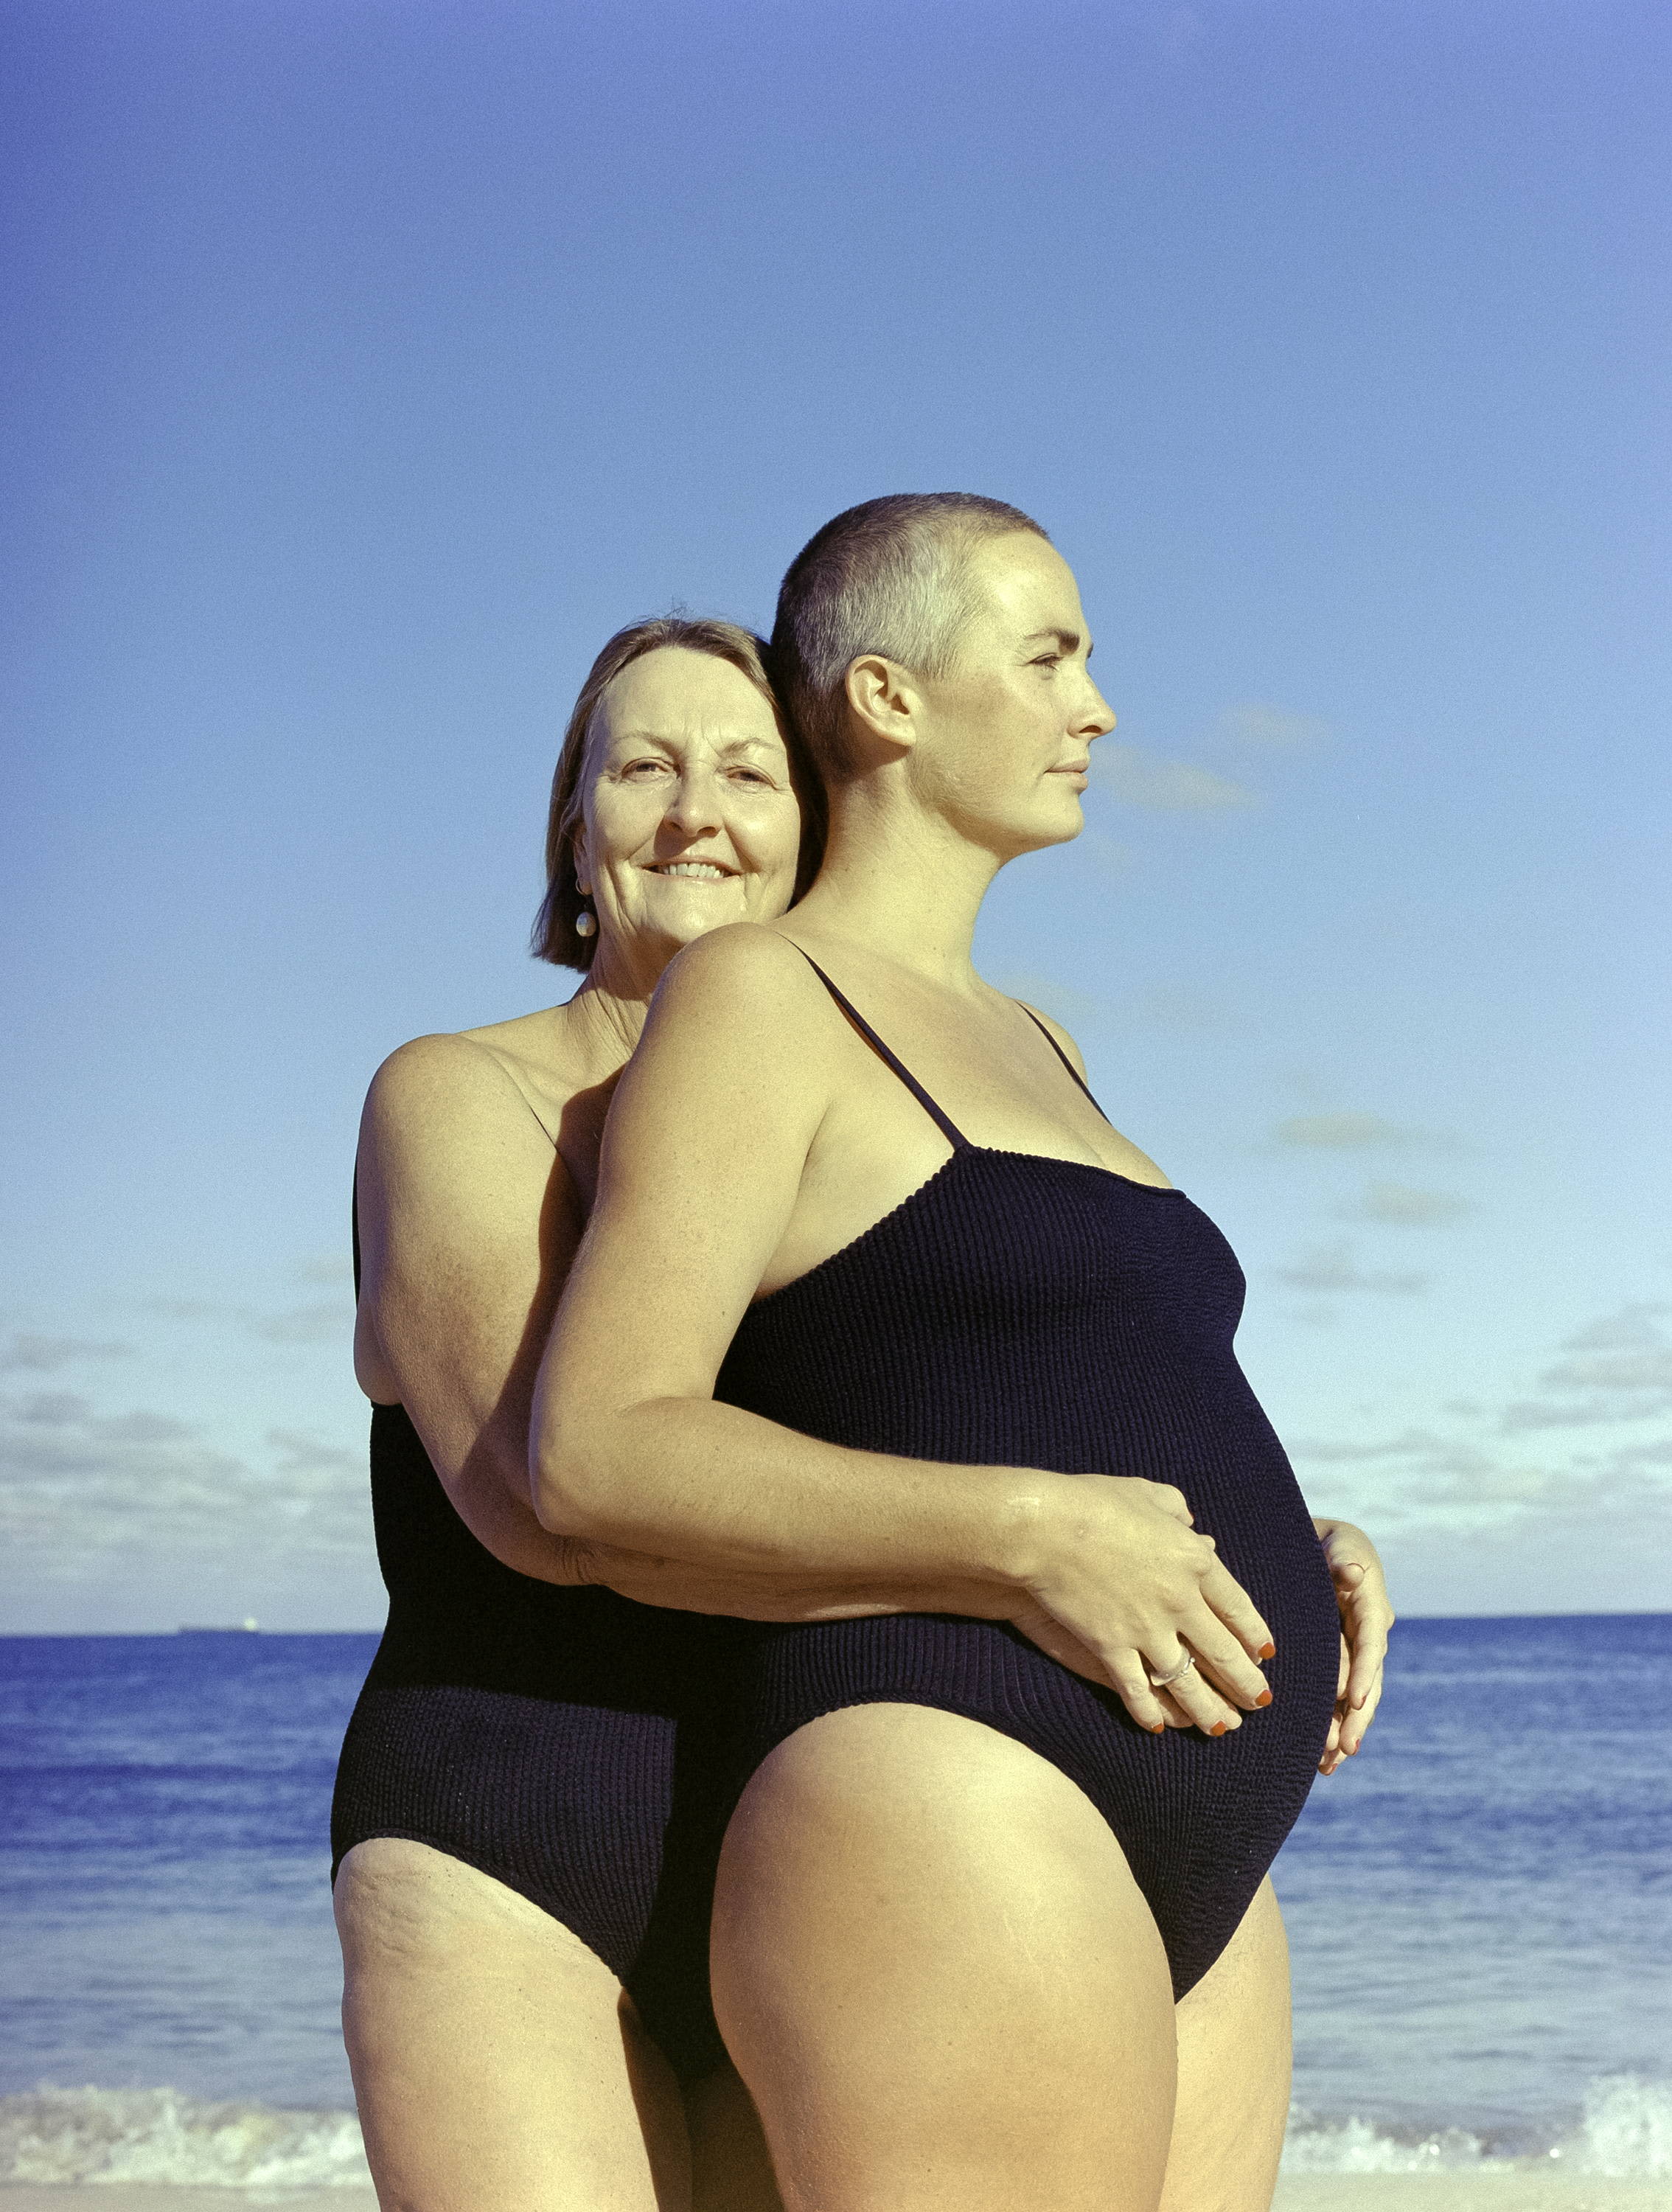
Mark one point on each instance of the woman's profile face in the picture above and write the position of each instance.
(691, 817)
(1011, 723)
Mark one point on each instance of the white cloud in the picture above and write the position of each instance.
(1333, 1268)
(1480, 1472)
(1137, 778)
(76, 1484)
(1343, 1131)
(1617, 1369)
(1407, 1207)
(1628, 1328)
(327, 1323)
(331, 1271)
(1274, 728)
(1628, 1371)
(44, 1354)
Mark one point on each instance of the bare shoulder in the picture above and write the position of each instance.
(445, 1108)
(442, 1077)
(1056, 1030)
(739, 1038)
(746, 969)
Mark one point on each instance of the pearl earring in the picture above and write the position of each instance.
(585, 924)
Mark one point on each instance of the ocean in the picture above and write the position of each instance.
(1479, 1907)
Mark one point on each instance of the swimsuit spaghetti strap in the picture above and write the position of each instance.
(953, 1135)
(1062, 1056)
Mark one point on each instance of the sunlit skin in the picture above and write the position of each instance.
(497, 2062)
(691, 817)
(497, 2059)
(930, 1959)
(1018, 705)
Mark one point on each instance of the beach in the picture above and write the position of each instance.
(1489, 2041)
(1518, 2188)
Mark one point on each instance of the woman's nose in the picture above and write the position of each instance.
(695, 805)
(1097, 722)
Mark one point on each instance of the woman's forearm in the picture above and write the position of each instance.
(715, 1487)
(503, 1524)
(767, 1595)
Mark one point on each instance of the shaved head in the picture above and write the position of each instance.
(890, 577)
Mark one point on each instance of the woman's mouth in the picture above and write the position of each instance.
(697, 872)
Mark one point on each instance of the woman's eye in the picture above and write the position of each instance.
(754, 775)
(1048, 660)
(639, 769)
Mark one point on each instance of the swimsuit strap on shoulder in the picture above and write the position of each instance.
(953, 1135)
(1062, 1055)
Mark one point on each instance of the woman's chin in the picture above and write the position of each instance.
(1059, 823)
(687, 914)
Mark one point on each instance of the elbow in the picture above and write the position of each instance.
(565, 1476)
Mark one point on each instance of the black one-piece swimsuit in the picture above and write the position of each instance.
(562, 1740)
(1021, 1311)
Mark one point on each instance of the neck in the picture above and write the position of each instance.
(608, 1009)
(900, 882)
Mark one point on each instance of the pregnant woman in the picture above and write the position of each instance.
(873, 1291)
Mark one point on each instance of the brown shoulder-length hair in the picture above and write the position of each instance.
(555, 936)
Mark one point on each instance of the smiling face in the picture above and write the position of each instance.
(1007, 730)
(690, 819)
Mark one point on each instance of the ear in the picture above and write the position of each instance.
(883, 699)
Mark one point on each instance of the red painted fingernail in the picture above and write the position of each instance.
(1218, 1729)
(1268, 1650)
(1264, 1698)
(1158, 1728)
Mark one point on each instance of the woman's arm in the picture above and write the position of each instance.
(468, 1224)
(709, 1134)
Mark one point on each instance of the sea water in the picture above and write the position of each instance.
(1480, 1908)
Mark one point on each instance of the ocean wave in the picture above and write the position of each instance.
(1626, 2130)
(95, 2135)
(91, 2136)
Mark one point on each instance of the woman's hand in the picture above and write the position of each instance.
(1361, 1593)
(1124, 1589)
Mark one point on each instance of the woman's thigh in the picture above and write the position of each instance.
(497, 2064)
(937, 1976)
(731, 2167)
(1233, 2073)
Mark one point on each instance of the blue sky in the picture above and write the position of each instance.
(375, 361)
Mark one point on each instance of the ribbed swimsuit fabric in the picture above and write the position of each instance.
(562, 1740)
(1018, 1311)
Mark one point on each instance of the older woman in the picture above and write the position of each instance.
(872, 1290)
(519, 1875)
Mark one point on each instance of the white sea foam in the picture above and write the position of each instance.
(92, 2136)
(95, 2136)
(1626, 2130)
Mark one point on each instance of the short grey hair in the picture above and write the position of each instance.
(891, 577)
